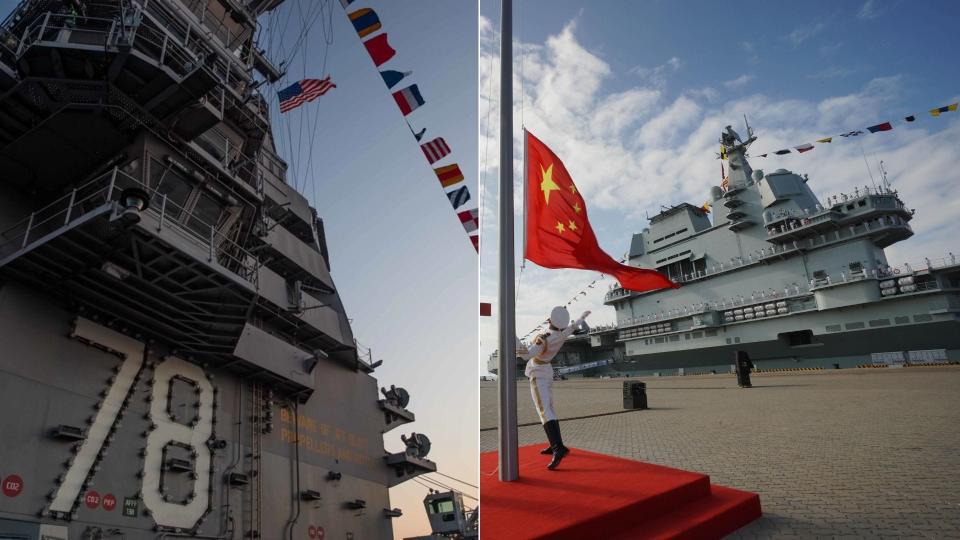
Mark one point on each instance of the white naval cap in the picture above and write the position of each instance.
(560, 317)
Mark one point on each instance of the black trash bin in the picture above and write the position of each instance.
(634, 395)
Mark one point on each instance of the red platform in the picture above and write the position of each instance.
(596, 496)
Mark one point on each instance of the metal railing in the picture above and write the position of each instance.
(68, 28)
(105, 190)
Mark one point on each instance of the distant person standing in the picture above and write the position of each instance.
(743, 367)
(540, 372)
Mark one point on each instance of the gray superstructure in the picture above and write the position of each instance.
(175, 360)
(794, 281)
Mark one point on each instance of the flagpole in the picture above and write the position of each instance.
(507, 382)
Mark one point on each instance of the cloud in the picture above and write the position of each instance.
(707, 93)
(870, 10)
(658, 75)
(635, 148)
(751, 51)
(832, 72)
(739, 81)
(830, 49)
(803, 33)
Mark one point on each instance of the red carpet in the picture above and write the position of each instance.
(596, 496)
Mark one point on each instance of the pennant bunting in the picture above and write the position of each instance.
(365, 21)
(391, 77)
(459, 197)
(723, 152)
(825, 140)
(449, 175)
(880, 127)
(805, 147)
(302, 92)
(763, 155)
(486, 309)
(853, 133)
(706, 207)
(910, 118)
(408, 99)
(470, 220)
(435, 149)
(380, 51)
(946, 108)
(782, 152)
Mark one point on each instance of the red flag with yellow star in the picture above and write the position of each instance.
(558, 232)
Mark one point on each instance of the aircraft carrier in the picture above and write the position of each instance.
(794, 281)
(175, 360)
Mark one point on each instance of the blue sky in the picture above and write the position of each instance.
(633, 96)
(401, 260)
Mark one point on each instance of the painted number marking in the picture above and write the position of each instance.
(174, 514)
(168, 431)
(132, 351)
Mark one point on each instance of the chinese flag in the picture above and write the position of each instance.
(558, 232)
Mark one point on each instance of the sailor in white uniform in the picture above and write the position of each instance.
(540, 372)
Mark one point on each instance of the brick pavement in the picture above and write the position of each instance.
(834, 454)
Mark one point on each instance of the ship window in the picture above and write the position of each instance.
(675, 337)
(880, 322)
(820, 274)
(793, 339)
(922, 318)
(736, 340)
(686, 336)
(854, 325)
(441, 506)
(861, 203)
(206, 213)
(168, 181)
(850, 207)
(901, 320)
(856, 266)
(697, 335)
(711, 333)
(729, 341)
(661, 339)
(833, 328)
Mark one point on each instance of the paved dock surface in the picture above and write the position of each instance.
(853, 453)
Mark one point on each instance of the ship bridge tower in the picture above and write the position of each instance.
(734, 150)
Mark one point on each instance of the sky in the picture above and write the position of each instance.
(632, 96)
(404, 267)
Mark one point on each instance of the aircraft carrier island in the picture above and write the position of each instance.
(794, 281)
(175, 360)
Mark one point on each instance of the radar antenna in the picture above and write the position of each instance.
(883, 176)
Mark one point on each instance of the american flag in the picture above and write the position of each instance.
(302, 92)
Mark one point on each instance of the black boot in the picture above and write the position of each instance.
(559, 450)
(546, 428)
